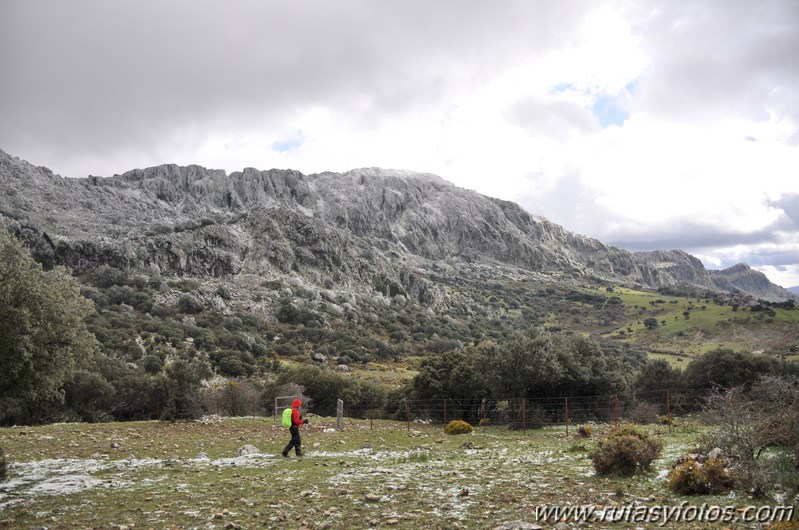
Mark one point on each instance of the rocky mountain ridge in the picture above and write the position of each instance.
(370, 229)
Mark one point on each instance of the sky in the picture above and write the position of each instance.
(646, 124)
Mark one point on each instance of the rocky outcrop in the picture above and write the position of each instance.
(379, 229)
(746, 280)
(675, 267)
(665, 268)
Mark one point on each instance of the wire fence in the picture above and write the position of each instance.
(514, 413)
(531, 413)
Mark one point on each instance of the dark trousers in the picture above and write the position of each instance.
(295, 442)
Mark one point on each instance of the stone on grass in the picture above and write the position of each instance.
(248, 450)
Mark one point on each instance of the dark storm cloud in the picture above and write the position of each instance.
(687, 236)
(781, 259)
(94, 76)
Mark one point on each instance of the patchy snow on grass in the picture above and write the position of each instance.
(69, 476)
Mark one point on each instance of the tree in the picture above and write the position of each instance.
(450, 375)
(651, 323)
(524, 366)
(43, 336)
(655, 378)
(726, 368)
(183, 398)
(89, 395)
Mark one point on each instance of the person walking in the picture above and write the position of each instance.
(296, 422)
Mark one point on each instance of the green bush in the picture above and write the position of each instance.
(625, 450)
(458, 427)
(189, 304)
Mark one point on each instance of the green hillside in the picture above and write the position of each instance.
(689, 326)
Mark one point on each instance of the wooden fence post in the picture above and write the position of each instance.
(668, 408)
(524, 415)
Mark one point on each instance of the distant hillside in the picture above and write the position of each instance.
(361, 230)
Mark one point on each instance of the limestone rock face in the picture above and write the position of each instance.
(368, 229)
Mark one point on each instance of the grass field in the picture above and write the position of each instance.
(189, 475)
(692, 326)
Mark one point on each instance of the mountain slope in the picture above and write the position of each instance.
(369, 227)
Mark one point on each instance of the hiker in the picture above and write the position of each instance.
(294, 429)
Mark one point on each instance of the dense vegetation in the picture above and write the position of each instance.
(121, 345)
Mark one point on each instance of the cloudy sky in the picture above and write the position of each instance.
(648, 124)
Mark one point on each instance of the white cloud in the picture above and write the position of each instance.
(512, 100)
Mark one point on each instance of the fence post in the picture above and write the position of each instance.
(616, 411)
(485, 411)
(445, 414)
(668, 408)
(408, 413)
(524, 415)
(372, 415)
(339, 415)
(567, 417)
(253, 406)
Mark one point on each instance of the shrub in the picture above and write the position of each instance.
(458, 427)
(785, 525)
(105, 276)
(685, 478)
(625, 450)
(189, 304)
(691, 477)
(585, 431)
